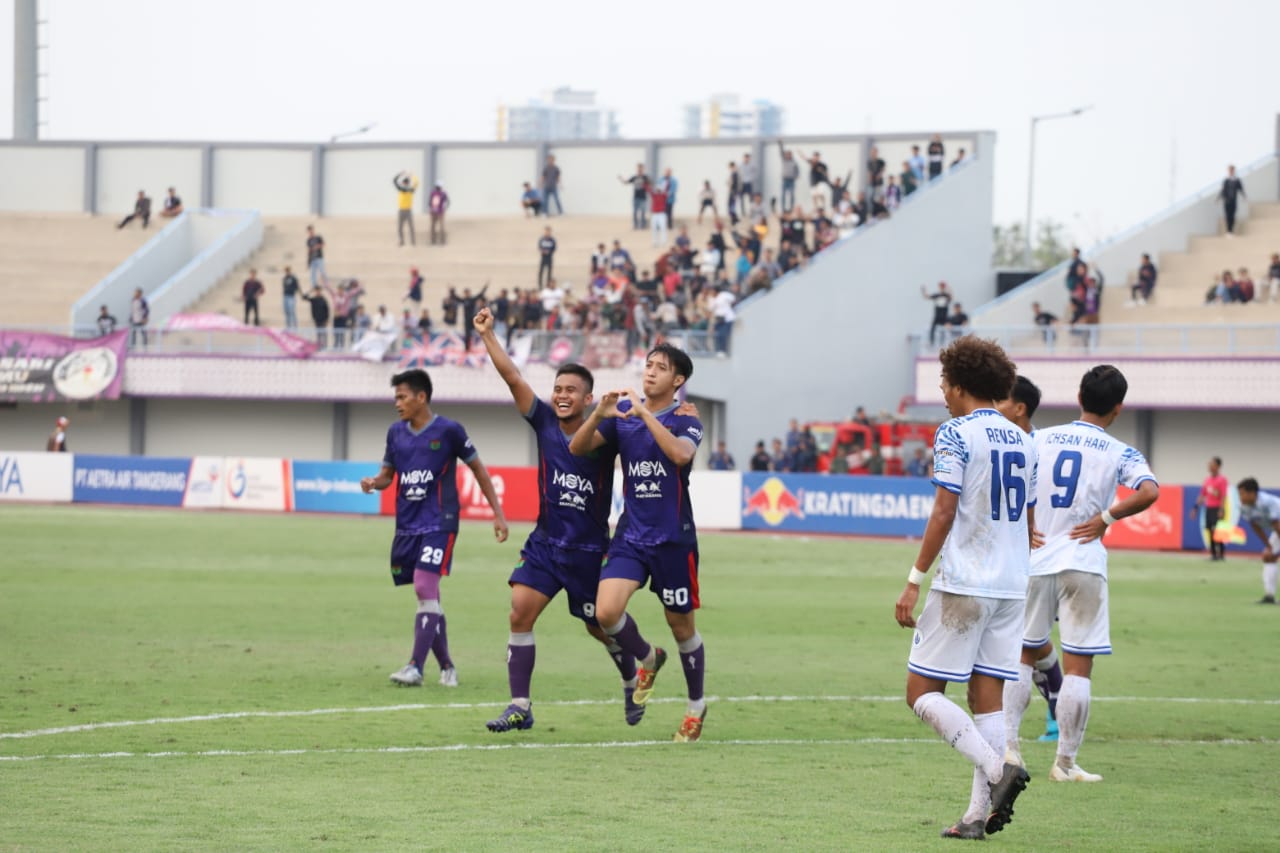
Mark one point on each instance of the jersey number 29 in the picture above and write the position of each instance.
(1008, 487)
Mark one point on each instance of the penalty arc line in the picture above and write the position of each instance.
(465, 747)
(472, 706)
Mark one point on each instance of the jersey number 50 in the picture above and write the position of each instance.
(1008, 487)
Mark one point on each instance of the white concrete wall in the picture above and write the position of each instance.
(483, 181)
(840, 157)
(98, 427)
(276, 181)
(498, 432)
(122, 171)
(42, 179)
(1183, 442)
(357, 181)
(693, 164)
(239, 428)
(589, 177)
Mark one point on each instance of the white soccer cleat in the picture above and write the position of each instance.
(1074, 773)
(409, 676)
(449, 677)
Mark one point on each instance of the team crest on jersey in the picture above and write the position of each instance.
(435, 444)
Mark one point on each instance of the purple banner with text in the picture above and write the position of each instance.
(41, 368)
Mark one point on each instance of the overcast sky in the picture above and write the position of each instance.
(1178, 89)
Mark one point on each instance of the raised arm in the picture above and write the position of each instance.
(678, 449)
(1145, 496)
(500, 529)
(588, 437)
(520, 390)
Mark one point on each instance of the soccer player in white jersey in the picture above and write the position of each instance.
(1079, 466)
(1262, 511)
(1020, 407)
(984, 470)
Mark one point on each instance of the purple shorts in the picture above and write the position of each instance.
(427, 552)
(550, 568)
(671, 570)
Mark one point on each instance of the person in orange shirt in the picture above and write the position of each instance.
(1212, 495)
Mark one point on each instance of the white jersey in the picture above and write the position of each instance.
(1080, 466)
(1265, 511)
(990, 463)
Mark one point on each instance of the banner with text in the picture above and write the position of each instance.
(333, 487)
(517, 490)
(40, 368)
(134, 480)
(35, 477)
(1196, 538)
(817, 503)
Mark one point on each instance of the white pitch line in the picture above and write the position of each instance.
(472, 706)
(468, 747)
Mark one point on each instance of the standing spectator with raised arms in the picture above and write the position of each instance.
(639, 196)
(406, 185)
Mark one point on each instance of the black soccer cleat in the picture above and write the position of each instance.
(970, 831)
(1012, 783)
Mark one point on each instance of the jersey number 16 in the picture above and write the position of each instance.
(1008, 487)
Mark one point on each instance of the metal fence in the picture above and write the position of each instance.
(1122, 339)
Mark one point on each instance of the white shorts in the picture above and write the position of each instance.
(1078, 600)
(958, 635)
(1273, 541)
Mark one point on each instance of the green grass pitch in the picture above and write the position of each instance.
(244, 661)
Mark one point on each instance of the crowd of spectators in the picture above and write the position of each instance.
(1240, 288)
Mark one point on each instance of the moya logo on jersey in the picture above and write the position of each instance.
(414, 483)
(646, 468)
(573, 481)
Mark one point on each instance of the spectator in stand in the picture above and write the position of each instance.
(345, 302)
(249, 293)
(941, 299)
(139, 316)
(764, 273)
(839, 459)
(671, 186)
(437, 204)
(290, 289)
(639, 196)
(779, 460)
(908, 178)
(500, 307)
(106, 321)
(724, 315)
(406, 185)
(1077, 271)
(424, 324)
(790, 173)
(720, 459)
(707, 200)
(875, 460)
(860, 417)
(875, 173)
(1273, 276)
(916, 165)
(471, 306)
(620, 260)
(817, 178)
(958, 321)
(414, 293)
(937, 156)
(599, 260)
(1231, 188)
(760, 459)
(57, 442)
(792, 438)
(734, 186)
(172, 205)
(1220, 291)
(530, 201)
(141, 210)
(917, 465)
(315, 257)
(1244, 291)
(806, 455)
(550, 296)
(742, 268)
(658, 214)
(409, 329)
(845, 220)
(546, 253)
(1046, 321)
(709, 262)
(892, 194)
(839, 191)
(1141, 291)
(452, 302)
(959, 159)
(551, 185)
(750, 179)
(319, 314)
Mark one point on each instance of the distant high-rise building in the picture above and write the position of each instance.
(561, 114)
(723, 115)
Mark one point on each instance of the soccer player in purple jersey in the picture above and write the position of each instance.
(572, 534)
(656, 540)
(423, 449)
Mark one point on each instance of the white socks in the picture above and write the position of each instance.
(954, 726)
(1017, 696)
(1269, 572)
(1073, 716)
(991, 727)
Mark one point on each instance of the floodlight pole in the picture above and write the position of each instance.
(1031, 175)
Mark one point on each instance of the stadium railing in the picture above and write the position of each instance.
(1123, 339)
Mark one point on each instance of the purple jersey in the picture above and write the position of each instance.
(427, 467)
(655, 491)
(575, 493)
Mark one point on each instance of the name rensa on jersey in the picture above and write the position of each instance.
(413, 482)
(1095, 442)
(1000, 435)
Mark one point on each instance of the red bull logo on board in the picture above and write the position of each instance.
(773, 502)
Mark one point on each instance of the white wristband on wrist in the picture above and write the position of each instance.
(1107, 517)
(916, 577)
